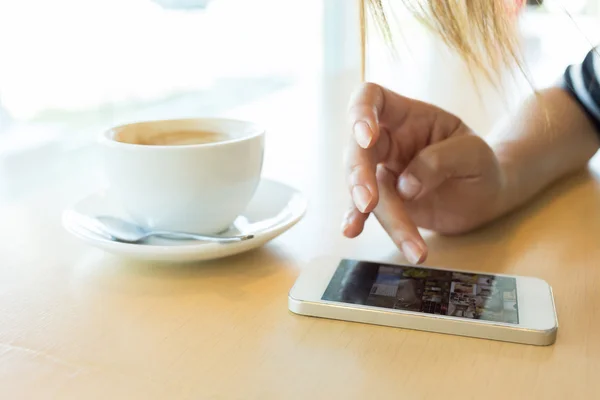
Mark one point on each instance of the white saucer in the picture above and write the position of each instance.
(274, 209)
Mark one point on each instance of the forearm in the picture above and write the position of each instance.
(548, 138)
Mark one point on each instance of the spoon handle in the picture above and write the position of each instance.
(204, 238)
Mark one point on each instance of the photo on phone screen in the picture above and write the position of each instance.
(425, 290)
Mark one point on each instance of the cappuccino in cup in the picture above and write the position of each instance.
(171, 138)
(192, 175)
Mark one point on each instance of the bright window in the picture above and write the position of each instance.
(80, 60)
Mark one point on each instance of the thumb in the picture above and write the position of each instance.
(463, 156)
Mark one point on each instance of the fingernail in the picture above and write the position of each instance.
(409, 186)
(412, 252)
(362, 197)
(363, 134)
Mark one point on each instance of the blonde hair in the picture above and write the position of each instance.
(482, 32)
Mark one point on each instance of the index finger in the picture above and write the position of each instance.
(394, 219)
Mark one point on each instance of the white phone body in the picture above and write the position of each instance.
(537, 323)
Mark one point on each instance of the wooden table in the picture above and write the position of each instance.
(76, 323)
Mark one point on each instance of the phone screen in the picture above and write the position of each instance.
(425, 290)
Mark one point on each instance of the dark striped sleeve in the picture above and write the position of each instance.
(582, 81)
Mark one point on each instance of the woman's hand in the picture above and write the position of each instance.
(413, 164)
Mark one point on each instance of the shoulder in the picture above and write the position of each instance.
(583, 81)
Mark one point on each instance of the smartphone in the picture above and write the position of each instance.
(499, 307)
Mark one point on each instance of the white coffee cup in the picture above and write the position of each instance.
(169, 181)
